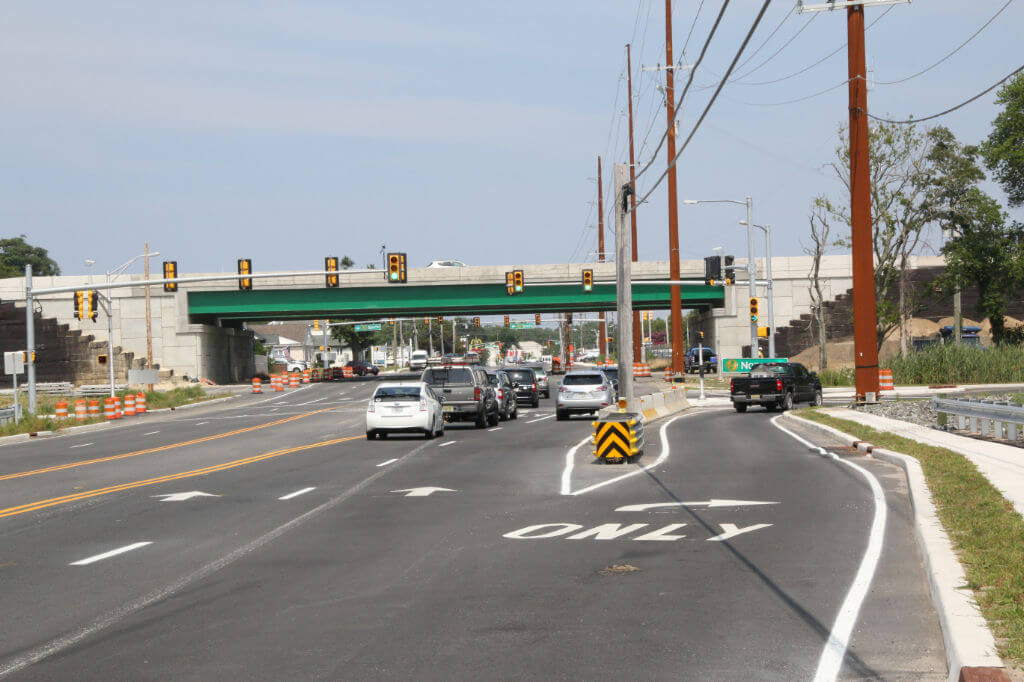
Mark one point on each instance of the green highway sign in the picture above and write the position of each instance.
(745, 364)
(367, 327)
(522, 325)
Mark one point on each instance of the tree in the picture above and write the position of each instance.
(821, 235)
(900, 212)
(988, 252)
(1003, 150)
(16, 253)
(346, 263)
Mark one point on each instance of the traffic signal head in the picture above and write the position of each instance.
(588, 280)
(244, 268)
(440, 319)
(316, 325)
(510, 289)
(730, 270)
(568, 318)
(517, 281)
(764, 332)
(506, 321)
(170, 272)
(712, 269)
(78, 302)
(476, 321)
(396, 268)
(28, 356)
(753, 310)
(536, 318)
(331, 266)
(94, 305)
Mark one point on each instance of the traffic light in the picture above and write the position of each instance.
(170, 272)
(101, 359)
(391, 321)
(712, 269)
(245, 268)
(28, 356)
(536, 318)
(78, 301)
(426, 321)
(86, 304)
(396, 268)
(647, 315)
(506, 321)
(440, 319)
(753, 310)
(588, 280)
(331, 266)
(510, 289)
(476, 321)
(316, 325)
(94, 305)
(568, 318)
(730, 270)
(517, 281)
(764, 332)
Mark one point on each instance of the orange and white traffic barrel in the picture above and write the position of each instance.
(305, 376)
(293, 380)
(109, 409)
(257, 385)
(80, 410)
(314, 375)
(140, 403)
(885, 380)
(129, 405)
(62, 410)
(93, 409)
(276, 382)
(636, 369)
(118, 412)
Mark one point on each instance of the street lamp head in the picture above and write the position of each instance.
(89, 262)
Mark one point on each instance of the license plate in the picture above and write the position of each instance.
(755, 395)
(448, 408)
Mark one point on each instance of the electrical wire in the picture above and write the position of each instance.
(707, 108)
(952, 109)
(800, 99)
(784, 46)
(692, 25)
(770, 36)
(959, 47)
(689, 81)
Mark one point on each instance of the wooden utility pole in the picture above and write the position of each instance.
(602, 345)
(675, 291)
(865, 322)
(637, 335)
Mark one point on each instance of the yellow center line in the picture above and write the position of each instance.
(85, 494)
(162, 448)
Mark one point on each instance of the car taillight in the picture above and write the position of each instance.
(370, 408)
(563, 389)
(534, 386)
(732, 388)
(501, 394)
(602, 388)
(423, 406)
(476, 394)
(778, 385)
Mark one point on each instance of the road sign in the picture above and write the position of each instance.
(14, 362)
(745, 364)
(366, 327)
(522, 325)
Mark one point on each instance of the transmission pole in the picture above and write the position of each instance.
(602, 346)
(637, 335)
(675, 291)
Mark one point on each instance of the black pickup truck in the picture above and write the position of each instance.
(776, 386)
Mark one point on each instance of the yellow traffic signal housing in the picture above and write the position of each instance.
(316, 325)
(588, 280)
(440, 319)
(78, 302)
(506, 321)
(170, 272)
(568, 318)
(101, 359)
(764, 332)
(517, 281)
(476, 321)
(331, 266)
(753, 310)
(94, 305)
(396, 268)
(28, 356)
(536, 318)
(510, 289)
(245, 268)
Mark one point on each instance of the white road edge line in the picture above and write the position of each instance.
(106, 555)
(496, 428)
(447, 443)
(390, 461)
(296, 493)
(201, 423)
(831, 661)
(83, 445)
(151, 433)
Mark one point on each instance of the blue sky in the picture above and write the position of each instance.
(284, 132)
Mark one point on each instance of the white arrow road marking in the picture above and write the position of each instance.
(710, 504)
(83, 445)
(107, 555)
(424, 491)
(731, 531)
(662, 534)
(181, 497)
(387, 462)
(296, 493)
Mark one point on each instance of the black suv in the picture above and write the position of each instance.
(508, 407)
(524, 381)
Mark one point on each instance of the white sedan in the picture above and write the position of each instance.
(404, 407)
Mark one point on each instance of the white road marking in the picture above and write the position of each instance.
(832, 656)
(570, 460)
(318, 400)
(496, 428)
(385, 463)
(710, 504)
(151, 433)
(447, 443)
(731, 530)
(662, 534)
(559, 529)
(296, 493)
(83, 445)
(423, 491)
(541, 419)
(182, 497)
(607, 531)
(107, 555)
(201, 423)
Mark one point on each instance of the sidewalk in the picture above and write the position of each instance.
(1002, 465)
(923, 391)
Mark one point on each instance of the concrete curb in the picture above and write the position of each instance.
(201, 403)
(968, 641)
(654, 405)
(67, 430)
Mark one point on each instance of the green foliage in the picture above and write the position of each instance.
(175, 397)
(837, 377)
(1004, 148)
(952, 363)
(16, 253)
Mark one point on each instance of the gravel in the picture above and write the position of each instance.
(914, 411)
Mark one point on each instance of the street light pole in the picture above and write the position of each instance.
(751, 274)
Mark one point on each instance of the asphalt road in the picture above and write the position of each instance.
(265, 538)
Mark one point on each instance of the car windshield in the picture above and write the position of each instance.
(707, 351)
(454, 375)
(520, 375)
(388, 393)
(541, 374)
(612, 374)
(493, 380)
(582, 380)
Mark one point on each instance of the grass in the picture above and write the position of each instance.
(986, 531)
(959, 364)
(837, 377)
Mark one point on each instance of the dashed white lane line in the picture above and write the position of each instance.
(296, 493)
(150, 433)
(444, 445)
(390, 461)
(831, 661)
(201, 423)
(541, 419)
(106, 555)
(496, 428)
(83, 445)
(311, 402)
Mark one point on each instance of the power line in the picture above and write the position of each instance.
(799, 99)
(958, 106)
(770, 36)
(692, 25)
(784, 46)
(959, 47)
(689, 81)
(707, 108)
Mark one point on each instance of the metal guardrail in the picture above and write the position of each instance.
(6, 415)
(1000, 419)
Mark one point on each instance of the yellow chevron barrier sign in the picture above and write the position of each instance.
(618, 438)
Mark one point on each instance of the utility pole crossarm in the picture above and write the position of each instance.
(801, 8)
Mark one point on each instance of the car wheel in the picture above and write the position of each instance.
(504, 415)
(481, 419)
(535, 403)
(428, 434)
(818, 400)
(787, 402)
(515, 412)
(493, 419)
(370, 435)
(740, 407)
(561, 416)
